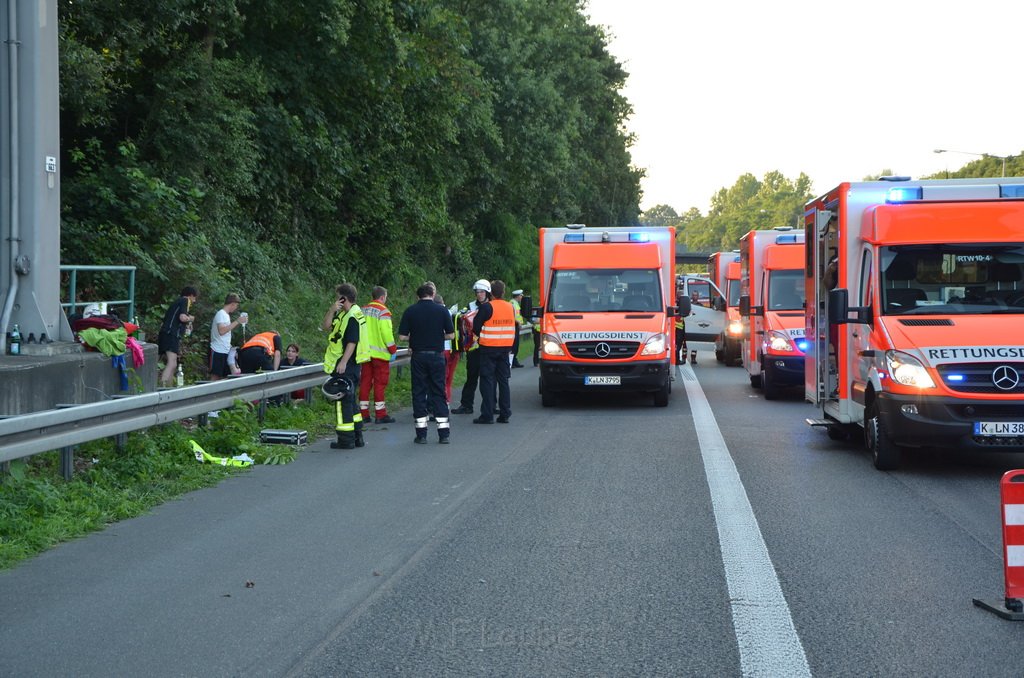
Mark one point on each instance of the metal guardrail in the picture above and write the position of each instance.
(63, 428)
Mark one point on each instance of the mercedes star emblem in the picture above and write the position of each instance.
(1005, 378)
(603, 350)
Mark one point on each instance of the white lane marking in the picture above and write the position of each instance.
(767, 639)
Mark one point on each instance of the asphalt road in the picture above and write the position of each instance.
(601, 537)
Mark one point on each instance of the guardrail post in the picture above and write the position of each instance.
(261, 410)
(121, 441)
(308, 395)
(67, 462)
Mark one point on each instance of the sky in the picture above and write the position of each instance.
(838, 91)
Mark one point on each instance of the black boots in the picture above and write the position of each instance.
(346, 441)
(359, 435)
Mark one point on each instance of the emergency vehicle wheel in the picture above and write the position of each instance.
(547, 398)
(661, 395)
(770, 388)
(755, 380)
(884, 453)
(719, 354)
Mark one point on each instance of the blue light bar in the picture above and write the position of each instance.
(955, 377)
(573, 237)
(639, 237)
(802, 344)
(789, 239)
(904, 194)
(1011, 191)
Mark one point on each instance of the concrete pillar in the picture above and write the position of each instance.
(32, 109)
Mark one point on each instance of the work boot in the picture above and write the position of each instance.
(420, 439)
(359, 435)
(386, 419)
(443, 440)
(463, 410)
(346, 441)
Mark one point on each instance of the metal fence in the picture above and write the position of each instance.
(72, 306)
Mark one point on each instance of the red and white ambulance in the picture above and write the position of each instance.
(606, 307)
(916, 311)
(724, 268)
(772, 308)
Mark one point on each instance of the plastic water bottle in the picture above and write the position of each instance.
(15, 345)
(180, 377)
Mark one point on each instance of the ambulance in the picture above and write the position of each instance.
(605, 311)
(724, 268)
(771, 309)
(916, 312)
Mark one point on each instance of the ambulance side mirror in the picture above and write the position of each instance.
(839, 309)
(683, 307)
(526, 307)
(747, 310)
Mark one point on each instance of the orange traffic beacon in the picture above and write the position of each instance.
(915, 309)
(606, 308)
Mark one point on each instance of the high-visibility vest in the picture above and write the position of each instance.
(500, 329)
(335, 345)
(518, 310)
(264, 340)
(380, 333)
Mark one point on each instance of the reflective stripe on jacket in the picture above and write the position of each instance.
(380, 333)
(500, 329)
(264, 340)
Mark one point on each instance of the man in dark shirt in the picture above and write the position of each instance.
(426, 325)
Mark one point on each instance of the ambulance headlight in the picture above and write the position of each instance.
(656, 345)
(780, 342)
(907, 370)
(735, 328)
(549, 345)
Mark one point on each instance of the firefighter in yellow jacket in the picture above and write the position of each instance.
(376, 373)
(347, 350)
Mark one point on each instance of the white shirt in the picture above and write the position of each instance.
(220, 343)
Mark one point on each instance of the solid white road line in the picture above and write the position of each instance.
(767, 639)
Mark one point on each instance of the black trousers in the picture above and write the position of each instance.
(428, 373)
(515, 349)
(495, 372)
(680, 345)
(253, 359)
(348, 418)
(472, 378)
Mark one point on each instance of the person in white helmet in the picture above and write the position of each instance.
(469, 345)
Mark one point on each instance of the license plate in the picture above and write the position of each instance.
(602, 381)
(999, 428)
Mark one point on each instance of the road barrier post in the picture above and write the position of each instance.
(1011, 494)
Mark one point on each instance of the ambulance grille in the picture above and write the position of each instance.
(593, 350)
(980, 378)
(984, 411)
(925, 322)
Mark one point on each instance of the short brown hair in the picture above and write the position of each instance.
(425, 290)
(497, 289)
(378, 292)
(232, 299)
(347, 290)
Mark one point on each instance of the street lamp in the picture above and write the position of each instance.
(980, 155)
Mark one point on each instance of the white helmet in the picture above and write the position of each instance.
(482, 285)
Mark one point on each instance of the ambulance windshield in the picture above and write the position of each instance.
(786, 290)
(605, 290)
(734, 292)
(952, 279)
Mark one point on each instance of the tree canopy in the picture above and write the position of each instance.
(262, 146)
